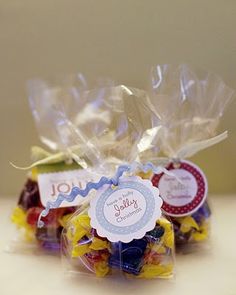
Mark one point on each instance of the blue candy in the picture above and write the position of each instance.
(128, 256)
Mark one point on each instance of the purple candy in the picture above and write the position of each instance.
(29, 196)
(202, 213)
(51, 246)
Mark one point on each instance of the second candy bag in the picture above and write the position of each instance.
(190, 105)
(58, 108)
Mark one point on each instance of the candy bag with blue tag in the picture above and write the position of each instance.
(120, 230)
(190, 105)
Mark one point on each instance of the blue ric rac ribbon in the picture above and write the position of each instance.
(76, 191)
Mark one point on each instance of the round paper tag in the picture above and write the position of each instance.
(127, 211)
(184, 194)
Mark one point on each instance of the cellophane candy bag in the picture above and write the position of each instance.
(190, 105)
(58, 108)
(122, 230)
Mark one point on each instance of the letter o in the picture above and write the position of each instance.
(63, 188)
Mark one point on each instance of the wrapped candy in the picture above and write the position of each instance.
(148, 257)
(122, 229)
(190, 105)
(27, 212)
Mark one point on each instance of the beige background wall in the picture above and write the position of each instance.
(120, 38)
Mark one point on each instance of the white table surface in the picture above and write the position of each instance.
(209, 272)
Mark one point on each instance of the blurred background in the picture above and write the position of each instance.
(117, 38)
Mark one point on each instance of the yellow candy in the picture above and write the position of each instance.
(81, 220)
(168, 239)
(79, 233)
(80, 250)
(166, 224)
(202, 234)
(101, 268)
(158, 248)
(150, 271)
(98, 244)
(146, 175)
(79, 227)
(29, 234)
(64, 219)
(20, 219)
(74, 235)
(187, 223)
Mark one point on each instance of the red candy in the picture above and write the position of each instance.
(33, 215)
(50, 220)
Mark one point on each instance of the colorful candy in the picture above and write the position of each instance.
(149, 257)
(26, 215)
(192, 228)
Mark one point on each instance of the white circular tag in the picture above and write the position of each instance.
(126, 212)
(184, 192)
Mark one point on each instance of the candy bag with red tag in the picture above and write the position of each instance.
(190, 105)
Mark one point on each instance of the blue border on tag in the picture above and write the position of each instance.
(125, 230)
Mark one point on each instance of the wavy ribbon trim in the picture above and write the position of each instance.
(76, 191)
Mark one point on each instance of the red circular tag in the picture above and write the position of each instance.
(185, 191)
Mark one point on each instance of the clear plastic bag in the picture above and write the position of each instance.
(87, 250)
(190, 105)
(88, 135)
(146, 258)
